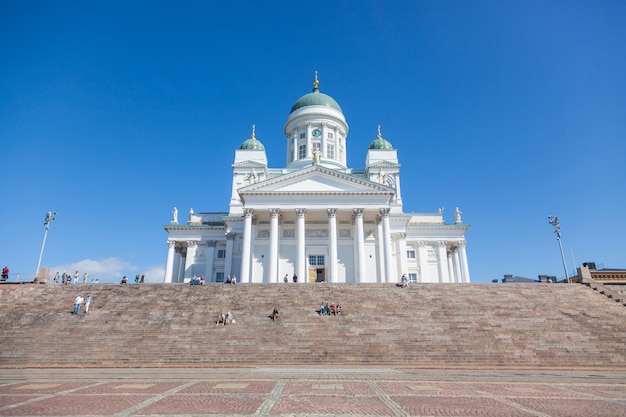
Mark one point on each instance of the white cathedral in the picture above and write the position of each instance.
(316, 219)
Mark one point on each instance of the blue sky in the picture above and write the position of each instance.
(111, 113)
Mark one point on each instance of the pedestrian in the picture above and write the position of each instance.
(56, 278)
(87, 301)
(85, 277)
(77, 302)
(5, 273)
(143, 277)
(295, 278)
(76, 275)
(286, 279)
(233, 280)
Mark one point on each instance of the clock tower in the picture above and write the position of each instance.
(316, 125)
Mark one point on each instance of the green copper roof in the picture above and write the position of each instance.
(380, 143)
(252, 144)
(315, 98)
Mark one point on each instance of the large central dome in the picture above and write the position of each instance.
(315, 98)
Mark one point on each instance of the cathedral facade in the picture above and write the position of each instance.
(316, 219)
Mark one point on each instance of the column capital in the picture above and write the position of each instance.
(442, 243)
(358, 212)
(385, 211)
(402, 235)
(421, 243)
(230, 235)
(274, 212)
(192, 243)
(171, 244)
(211, 243)
(332, 212)
(248, 212)
(300, 212)
(461, 243)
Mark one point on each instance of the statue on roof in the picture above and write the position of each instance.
(317, 157)
(457, 215)
(175, 215)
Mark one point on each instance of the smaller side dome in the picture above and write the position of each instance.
(252, 144)
(380, 143)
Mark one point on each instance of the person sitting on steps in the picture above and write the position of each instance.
(275, 314)
(221, 319)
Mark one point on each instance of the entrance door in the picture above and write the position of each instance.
(320, 275)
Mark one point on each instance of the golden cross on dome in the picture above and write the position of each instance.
(253, 127)
(316, 83)
(379, 131)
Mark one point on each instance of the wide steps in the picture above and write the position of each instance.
(448, 325)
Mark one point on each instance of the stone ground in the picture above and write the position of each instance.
(312, 392)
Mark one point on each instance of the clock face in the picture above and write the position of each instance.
(317, 133)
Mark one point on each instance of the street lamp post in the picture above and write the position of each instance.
(50, 216)
(554, 221)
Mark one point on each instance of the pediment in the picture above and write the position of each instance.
(383, 164)
(316, 180)
(249, 164)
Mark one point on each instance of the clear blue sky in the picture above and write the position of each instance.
(111, 113)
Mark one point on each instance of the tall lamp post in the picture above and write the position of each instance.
(50, 216)
(554, 221)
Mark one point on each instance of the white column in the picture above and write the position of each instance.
(228, 261)
(323, 141)
(192, 245)
(332, 244)
(169, 264)
(464, 266)
(443, 265)
(403, 262)
(301, 253)
(178, 256)
(458, 277)
(210, 255)
(247, 241)
(359, 240)
(273, 262)
(423, 256)
(384, 212)
(295, 147)
(450, 268)
(308, 140)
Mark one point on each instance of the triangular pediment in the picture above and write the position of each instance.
(383, 164)
(316, 180)
(249, 164)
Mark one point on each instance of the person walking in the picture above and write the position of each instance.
(77, 302)
(87, 302)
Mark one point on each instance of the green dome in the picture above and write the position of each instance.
(315, 98)
(252, 144)
(380, 143)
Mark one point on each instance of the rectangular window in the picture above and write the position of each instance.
(330, 135)
(219, 277)
(302, 135)
(315, 260)
(330, 151)
(301, 151)
(410, 254)
(316, 146)
(412, 277)
(221, 253)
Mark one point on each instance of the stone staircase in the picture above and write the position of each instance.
(474, 326)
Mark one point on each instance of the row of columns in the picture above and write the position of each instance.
(453, 266)
(301, 261)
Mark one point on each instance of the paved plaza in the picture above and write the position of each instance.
(310, 392)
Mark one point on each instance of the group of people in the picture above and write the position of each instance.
(286, 278)
(325, 310)
(78, 301)
(67, 279)
(139, 279)
(225, 319)
(231, 280)
(197, 281)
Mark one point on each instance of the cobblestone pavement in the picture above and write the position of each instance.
(310, 392)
